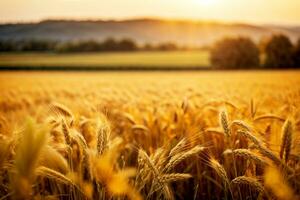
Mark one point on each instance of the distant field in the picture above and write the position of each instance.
(174, 59)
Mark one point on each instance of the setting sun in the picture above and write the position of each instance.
(207, 2)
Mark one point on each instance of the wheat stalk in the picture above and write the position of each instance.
(30, 147)
(146, 159)
(66, 132)
(61, 109)
(269, 117)
(140, 127)
(223, 118)
(245, 153)
(241, 124)
(182, 156)
(219, 169)
(178, 147)
(264, 151)
(252, 182)
(102, 139)
(174, 177)
(52, 174)
(286, 140)
(52, 159)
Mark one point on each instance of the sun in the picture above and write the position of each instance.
(206, 2)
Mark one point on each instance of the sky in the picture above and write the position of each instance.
(284, 12)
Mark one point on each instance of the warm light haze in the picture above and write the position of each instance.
(150, 99)
(254, 11)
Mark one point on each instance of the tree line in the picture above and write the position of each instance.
(107, 45)
(229, 53)
(277, 52)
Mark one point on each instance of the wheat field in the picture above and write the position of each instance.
(110, 135)
(175, 59)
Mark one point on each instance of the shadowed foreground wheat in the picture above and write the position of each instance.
(101, 139)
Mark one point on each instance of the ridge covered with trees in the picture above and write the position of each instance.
(108, 45)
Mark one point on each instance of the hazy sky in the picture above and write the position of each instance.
(257, 11)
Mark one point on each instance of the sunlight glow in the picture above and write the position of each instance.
(207, 2)
(254, 11)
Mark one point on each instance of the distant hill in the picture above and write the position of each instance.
(192, 33)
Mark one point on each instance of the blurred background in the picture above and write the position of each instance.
(149, 35)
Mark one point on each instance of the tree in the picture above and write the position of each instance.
(109, 44)
(127, 45)
(148, 47)
(296, 55)
(279, 52)
(7, 46)
(169, 46)
(235, 53)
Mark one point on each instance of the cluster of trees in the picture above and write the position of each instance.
(242, 53)
(27, 45)
(82, 46)
(93, 46)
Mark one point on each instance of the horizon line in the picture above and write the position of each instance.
(158, 18)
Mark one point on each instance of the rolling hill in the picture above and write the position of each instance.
(192, 33)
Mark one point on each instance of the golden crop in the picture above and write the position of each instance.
(155, 135)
